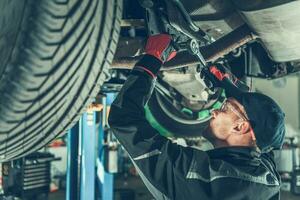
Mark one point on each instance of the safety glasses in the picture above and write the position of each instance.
(226, 106)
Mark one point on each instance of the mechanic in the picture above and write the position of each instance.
(244, 131)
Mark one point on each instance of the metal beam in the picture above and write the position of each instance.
(105, 179)
(88, 155)
(211, 53)
(72, 192)
(137, 23)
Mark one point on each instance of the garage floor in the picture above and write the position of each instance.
(58, 195)
(288, 196)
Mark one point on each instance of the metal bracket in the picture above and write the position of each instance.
(170, 16)
(180, 20)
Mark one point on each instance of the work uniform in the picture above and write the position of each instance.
(171, 171)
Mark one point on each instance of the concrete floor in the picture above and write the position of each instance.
(288, 196)
(58, 195)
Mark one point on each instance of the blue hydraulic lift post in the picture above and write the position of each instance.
(106, 180)
(88, 155)
(72, 163)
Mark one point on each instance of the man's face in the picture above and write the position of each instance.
(224, 120)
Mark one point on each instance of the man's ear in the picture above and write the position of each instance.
(241, 127)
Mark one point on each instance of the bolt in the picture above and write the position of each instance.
(194, 46)
(204, 95)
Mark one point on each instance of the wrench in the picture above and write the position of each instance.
(225, 77)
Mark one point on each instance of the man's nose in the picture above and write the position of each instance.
(214, 113)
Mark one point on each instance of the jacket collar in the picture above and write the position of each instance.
(237, 154)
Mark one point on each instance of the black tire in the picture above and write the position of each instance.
(54, 56)
(176, 127)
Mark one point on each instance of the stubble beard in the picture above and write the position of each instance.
(209, 134)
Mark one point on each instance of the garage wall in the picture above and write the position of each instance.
(285, 91)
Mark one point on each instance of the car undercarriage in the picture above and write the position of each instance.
(57, 56)
(250, 38)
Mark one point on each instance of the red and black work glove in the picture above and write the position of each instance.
(160, 46)
(159, 49)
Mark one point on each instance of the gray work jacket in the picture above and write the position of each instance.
(171, 171)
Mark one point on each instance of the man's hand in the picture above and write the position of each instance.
(160, 47)
(209, 79)
(158, 50)
(219, 76)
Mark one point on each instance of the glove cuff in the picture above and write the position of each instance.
(150, 64)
